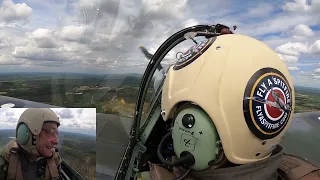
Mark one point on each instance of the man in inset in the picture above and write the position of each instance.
(32, 155)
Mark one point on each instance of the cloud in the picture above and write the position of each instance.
(10, 12)
(76, 33)
(164, 9)
(292, 49)
(288, 58)
(312, 76)
(81, 120)
(65, 114)
(293, 68)
(41, 54)
(43, 38)
(302, 30)
(96, 40)
(315, 48)
(297, 6)
(300, 42)
(104, 36)
(9, 114)
(302, 6)
(260, 10)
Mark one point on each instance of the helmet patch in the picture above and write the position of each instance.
(193, 53)
(267, 103)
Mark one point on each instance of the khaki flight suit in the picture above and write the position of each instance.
(14, 165)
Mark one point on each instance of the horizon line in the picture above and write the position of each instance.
(101, 74)
(89, 73)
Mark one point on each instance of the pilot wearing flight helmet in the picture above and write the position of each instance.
(32, 155)
(230, 99)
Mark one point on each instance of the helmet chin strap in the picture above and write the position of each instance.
(31, 147)
(33, 157)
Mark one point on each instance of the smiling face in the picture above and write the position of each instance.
(48, 138)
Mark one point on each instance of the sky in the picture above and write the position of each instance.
(78, 120)
(103, 36)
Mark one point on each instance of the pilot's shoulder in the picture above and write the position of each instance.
(290, 163)
(5, 150)
(3, 168)
(3, 163)
(5, 153)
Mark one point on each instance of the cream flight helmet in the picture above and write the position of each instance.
(231, 92)
(29, 127)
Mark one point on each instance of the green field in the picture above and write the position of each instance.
(307, 100)
(107, 93)
(112, 94)
(119, 98)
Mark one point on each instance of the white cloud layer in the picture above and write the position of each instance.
(10, 12)
(79, 120)
(293, 68)
(103, 36)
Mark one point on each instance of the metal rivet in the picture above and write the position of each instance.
(264, 142)
(258, 154)
(218, 47)
(163, 112)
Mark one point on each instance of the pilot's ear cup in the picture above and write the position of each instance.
(23, 134)
(194, 131)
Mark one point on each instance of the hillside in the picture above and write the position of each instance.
(307, 99)
(108, 93)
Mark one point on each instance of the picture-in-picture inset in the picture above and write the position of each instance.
(48, 143)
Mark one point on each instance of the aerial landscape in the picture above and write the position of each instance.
(87, 54)
(111, 94)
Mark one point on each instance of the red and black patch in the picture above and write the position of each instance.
(267, 103)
